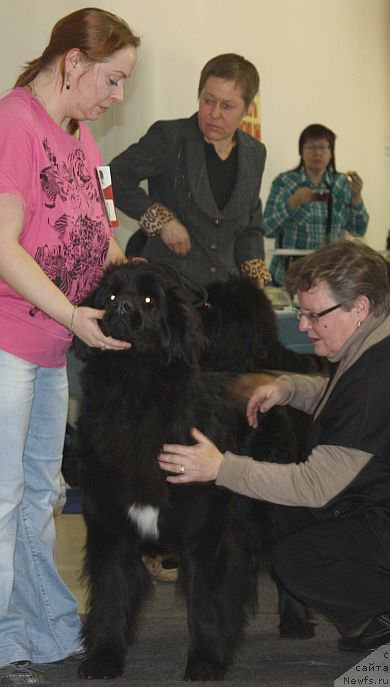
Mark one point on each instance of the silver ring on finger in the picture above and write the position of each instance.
(180, 468)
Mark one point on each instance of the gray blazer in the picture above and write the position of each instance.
(171, 157)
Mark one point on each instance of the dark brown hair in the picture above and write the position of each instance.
(314, 132)
(235, 68)
(98, 34)
(349, 268)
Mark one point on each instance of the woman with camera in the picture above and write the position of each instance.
(313, 203)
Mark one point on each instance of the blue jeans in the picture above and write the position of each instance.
(38, 615)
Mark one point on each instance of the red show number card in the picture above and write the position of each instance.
(105, 184)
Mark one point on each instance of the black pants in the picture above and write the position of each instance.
(339, 567)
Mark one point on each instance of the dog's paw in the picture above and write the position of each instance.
(100, 669)
(296, 628)
(204, 670)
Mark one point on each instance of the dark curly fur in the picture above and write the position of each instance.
(243, 335)
(134, 401)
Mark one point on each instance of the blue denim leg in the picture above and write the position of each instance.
(38, 615)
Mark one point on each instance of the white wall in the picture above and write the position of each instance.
(326, 62)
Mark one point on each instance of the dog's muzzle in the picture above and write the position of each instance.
(122, 319)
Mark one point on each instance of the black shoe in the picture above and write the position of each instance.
(374, 635)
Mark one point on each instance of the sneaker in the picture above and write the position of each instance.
(21, 673)
(80, 652)
(161, 568)
(373, 636)
(77, 656)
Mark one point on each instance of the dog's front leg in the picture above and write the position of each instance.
(206, 658)
(118, 584)
(219, 582)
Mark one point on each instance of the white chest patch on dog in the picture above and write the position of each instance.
(145, 519)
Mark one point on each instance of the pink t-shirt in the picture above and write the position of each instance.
(65, 223)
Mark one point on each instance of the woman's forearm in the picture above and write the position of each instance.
(24, 275)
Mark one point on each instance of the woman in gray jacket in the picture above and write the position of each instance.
(202, 213)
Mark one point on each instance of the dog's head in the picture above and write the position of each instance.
(145, 306)
(241, 326)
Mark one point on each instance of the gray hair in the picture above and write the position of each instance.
(349, 269)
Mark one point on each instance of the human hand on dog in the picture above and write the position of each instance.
(265, 397)
(176, 237)
(85, 326)
(197, 463)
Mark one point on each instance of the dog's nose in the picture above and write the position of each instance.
(123, 305)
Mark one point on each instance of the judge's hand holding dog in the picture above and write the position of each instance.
(197, 463)
(201, 461)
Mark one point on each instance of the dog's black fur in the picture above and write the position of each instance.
(243, 337)
(242, 331)
(134, 402)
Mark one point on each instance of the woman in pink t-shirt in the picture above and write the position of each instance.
(55, 240)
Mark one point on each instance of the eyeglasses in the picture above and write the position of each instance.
(314, 316)
(320, 147)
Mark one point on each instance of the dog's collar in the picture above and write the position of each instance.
(189, 285)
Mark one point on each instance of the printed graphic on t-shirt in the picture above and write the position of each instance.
(74, 252)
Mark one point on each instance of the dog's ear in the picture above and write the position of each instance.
(184, 334)
(241, 327)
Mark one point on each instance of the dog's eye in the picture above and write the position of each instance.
(112, 297)
(148, 300)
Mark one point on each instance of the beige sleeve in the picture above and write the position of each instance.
(327, 471)
(306, 391)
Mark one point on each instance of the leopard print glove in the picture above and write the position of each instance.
(153, 220)
(257, 271)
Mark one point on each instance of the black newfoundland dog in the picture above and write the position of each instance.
(242, 331)
(133, 402)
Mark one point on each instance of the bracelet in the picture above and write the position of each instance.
(71, 326)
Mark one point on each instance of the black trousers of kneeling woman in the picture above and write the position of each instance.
(338, 566)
